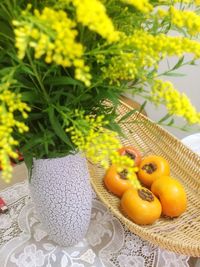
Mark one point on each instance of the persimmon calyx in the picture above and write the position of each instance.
(150, 168)
(145, 194)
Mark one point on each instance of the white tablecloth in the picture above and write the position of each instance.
(24, 242)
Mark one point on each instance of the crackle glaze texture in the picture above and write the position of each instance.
(61, 191)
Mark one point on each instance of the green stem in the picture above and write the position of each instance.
(98, 50)
(38, 77)
(171, 70)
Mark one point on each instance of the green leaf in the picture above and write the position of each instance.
(62, 80)
(192, 63)
(80, 99)
(59, 131)
(166, 117)
(26, 70)
(30, 97)
(28, 159)
(116, 128)
(5, 30)
(171, 122)
(35, 140)
(174, 74)
(86, 97)
(108, 94)
(34, 116)
(142, 106)
(128, 114)
(179, 63)
(6, 70)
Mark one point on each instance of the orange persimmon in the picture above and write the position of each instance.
(140, 205)
(116, 182)
(132, 153)
(171, 195)
(151, 168)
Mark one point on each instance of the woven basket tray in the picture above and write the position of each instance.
(182, 234)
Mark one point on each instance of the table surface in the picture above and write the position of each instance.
(25, 243)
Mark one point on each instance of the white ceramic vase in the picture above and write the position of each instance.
(61, 191)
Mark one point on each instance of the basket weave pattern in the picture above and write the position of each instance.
(182, 234)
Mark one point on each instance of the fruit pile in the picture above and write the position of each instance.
(159, 193)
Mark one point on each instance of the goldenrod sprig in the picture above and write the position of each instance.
(52, 35)
(182, 19)
(92, 13)
(10, 104)
(142, 51)
(176, 103)
(142, 5)
(99, 144)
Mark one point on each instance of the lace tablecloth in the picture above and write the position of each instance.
(24, 242)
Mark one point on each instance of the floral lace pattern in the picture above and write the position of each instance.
(24, 242)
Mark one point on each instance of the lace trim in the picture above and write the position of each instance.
(24, 242)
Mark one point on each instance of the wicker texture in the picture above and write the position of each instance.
(182, 234)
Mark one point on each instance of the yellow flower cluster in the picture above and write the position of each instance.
(150, 49)
(141, 5)
(144, 50)
(176, 103)
(51, 34)
(121, 67)
(89, 136)
(141, 51)
(92, 13)
(9, 103)
(99, 144)
(125, 163)
(183, 18)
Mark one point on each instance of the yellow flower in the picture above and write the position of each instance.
(150, 49)
(141, 5)
(100, 145)
(115, 72)
(141, 51)
(92, 13)
(52, 34)
(10, 103)
(176, 103)
(182, 18)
